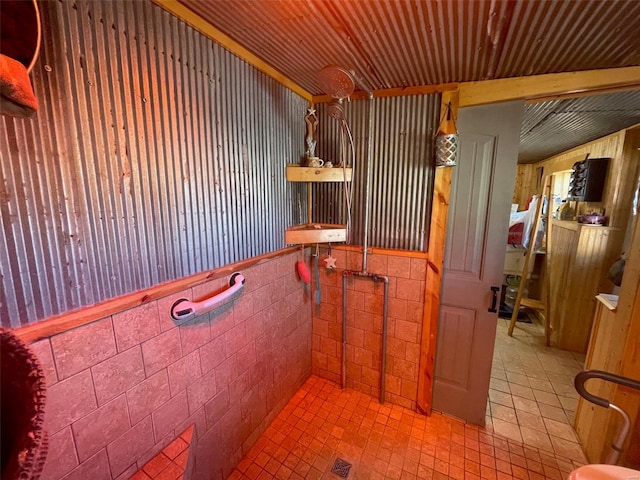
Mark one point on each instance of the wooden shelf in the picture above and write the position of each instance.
(315, 233)
(295, 173)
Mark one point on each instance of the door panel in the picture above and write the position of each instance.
(470, 203)
(457, 326)
(481, 193)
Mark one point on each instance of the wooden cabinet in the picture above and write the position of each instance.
(579, 258)
(314, 232)
(614, 347)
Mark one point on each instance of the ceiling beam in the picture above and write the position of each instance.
(394, 92)
(553, 85)
(208, 30)
(534, 88)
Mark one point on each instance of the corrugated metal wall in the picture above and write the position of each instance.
(155, 154)
(401, 170)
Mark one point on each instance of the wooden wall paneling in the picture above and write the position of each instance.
(629, 399)
(525, 185)
(620, 193)
(615, 347)
(592, 420)
(559, 260)
(585, 268)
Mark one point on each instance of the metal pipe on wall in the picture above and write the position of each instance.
(367, 185)
(364, 273)
(383, 363)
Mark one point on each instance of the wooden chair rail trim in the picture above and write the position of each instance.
(85, 315)
(382, 251)
(76, 318)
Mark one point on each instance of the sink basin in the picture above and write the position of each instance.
(604, 472)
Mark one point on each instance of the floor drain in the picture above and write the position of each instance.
(341, 468)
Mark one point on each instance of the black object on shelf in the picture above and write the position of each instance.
(587, 180)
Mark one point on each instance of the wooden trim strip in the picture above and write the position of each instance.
(437, 240)
(545, 86)
(394, 92)
(383, 251)
(200, 24)
(67, 321)
(534, 88)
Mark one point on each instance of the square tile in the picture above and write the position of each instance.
(136, 325)
(560, 429)
(531, 420)
(522, 391)
(547, 398)
(517, 378)
(530, 406)
(73, 353)
(501, 412)
(101, 427)
(69, 400)
(540, 384)
(506, 429)
(555, 413)
(499, 385)
(500, 398)
(117, 374)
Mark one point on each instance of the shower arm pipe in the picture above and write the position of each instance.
(185, 309)
(385, 318)
(367, 184)
(361, 84)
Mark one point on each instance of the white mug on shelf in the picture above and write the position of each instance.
(315, 162)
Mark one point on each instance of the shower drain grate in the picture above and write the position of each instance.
(341, 468)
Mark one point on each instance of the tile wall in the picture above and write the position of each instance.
(364, 324)
(122, 388)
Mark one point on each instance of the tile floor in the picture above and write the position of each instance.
(322, 423)
(532, 398)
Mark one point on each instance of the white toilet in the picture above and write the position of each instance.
(604, 472)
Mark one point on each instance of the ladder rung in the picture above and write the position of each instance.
(531, 303)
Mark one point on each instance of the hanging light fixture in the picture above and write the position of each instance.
(447, 140)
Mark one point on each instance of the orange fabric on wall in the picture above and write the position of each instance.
(16, 93)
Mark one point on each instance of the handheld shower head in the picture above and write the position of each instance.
(335, 109)
(336, 81)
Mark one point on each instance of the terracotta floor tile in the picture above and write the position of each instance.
(488, 473)
(472, 467)
(244, 464)
(272, 466)
(435, 447)
(264, 475)
(253, 471)
(262, 459)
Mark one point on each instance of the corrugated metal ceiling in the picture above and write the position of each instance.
(552, 127)
(402, 43)
(394, 43)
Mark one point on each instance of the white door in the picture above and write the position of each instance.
(481, 193)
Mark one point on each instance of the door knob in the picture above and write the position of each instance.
(494, 300)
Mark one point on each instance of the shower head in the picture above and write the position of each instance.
(336, 81)
(335, 109)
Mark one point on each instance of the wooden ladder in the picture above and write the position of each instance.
(521, 300)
